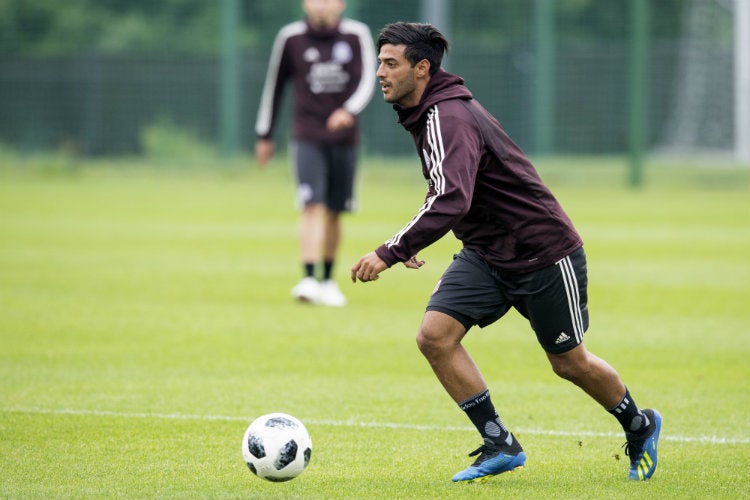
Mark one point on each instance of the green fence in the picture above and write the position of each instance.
(99, 104)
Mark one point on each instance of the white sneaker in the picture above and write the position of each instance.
(330, 295)
(307, 290)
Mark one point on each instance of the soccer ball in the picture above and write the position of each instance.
(276, 447)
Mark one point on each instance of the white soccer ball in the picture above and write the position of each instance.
(276, 447)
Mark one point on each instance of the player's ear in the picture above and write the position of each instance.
(422, 68)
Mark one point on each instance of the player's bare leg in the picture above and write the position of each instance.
(591, 373)
(311, 227)
(439, 340)
(330, 294)
(332, 223)
(600, 381)
(310, 233)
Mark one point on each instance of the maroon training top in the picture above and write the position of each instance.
(480, 185)
(330, 68)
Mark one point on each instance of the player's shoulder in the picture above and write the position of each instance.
(295, 28)
(454, 106)
(354, 27)
(452, 114)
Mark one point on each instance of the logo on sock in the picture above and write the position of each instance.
(636, 423)
(492, 429)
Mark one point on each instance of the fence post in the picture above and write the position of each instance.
(742, 80)
(229, 92)
(544, 85)
(438, 13)
(638, 125)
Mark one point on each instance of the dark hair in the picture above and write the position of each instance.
(423, 41)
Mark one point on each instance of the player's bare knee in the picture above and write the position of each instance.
(566, 368)
(431, 344)
(564, 372)
(424, 343)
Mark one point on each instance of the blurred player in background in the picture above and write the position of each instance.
(330, 61)
(520, 250)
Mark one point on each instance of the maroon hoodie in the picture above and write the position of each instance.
(480, 185)
(329, 68)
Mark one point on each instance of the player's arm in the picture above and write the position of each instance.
(264, 149)
(453, 149)
(340, 119)
(369, 267)
(276, 76)
(365, 72)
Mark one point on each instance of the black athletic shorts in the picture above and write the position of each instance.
(325, 174)
(553, 299)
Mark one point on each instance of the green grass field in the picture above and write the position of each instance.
(145, 320)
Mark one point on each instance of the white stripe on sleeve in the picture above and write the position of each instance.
(265, 111)
(362, 95)
(434, 158)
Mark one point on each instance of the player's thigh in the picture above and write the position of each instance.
(554, 300)
(469, 292)
(439, 329)
(310, 169)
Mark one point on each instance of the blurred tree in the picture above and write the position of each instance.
(47, 27)
(492, 23)
(51, 27)
(264, 18)
(589, 20)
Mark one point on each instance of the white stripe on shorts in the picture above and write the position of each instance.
(574, 299)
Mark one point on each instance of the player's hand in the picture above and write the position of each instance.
(414, 263)
(368, 268)
(340, 119)
(264, 149)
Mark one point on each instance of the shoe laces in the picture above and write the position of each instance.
(633, 449)
(483, 452)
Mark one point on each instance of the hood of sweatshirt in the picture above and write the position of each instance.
(441, 87)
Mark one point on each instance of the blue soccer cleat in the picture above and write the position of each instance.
(492, 460)
(643, 450)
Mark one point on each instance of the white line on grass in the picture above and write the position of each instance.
(356, 423)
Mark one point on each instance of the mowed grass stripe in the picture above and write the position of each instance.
(354, 423)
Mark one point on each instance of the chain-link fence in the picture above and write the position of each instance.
(99, 104)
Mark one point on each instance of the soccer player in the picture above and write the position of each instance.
(520, 250)
(330, 61)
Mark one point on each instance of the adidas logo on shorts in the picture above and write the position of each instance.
(562, 338)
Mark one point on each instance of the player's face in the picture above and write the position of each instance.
(396, 76)
(323, 13)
